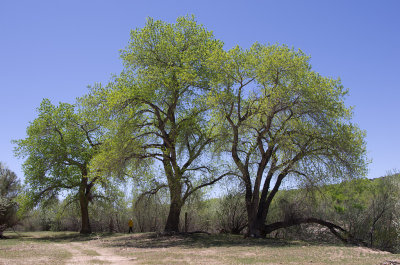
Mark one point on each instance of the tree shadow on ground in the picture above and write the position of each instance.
(58, 237)
(153, 240)
(156, 240)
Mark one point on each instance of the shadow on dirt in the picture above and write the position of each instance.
(156, 240)
(153, 240)
(58, 237)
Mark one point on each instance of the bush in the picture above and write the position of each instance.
(231, 213)
(9, 187)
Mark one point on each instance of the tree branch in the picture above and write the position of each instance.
(187, 194)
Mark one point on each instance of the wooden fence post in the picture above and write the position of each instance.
(186, 222)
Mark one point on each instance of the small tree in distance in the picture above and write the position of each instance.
(9, 187)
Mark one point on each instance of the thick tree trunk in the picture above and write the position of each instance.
(256, 222)
(257, 211)
(84, 203)
(172, 224)
(251, 218)
(256, 227)
(257, 215)
(85, 228)
(175, 190)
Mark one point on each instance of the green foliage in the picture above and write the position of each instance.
(59, 145)
(155, 111)
(368, 209)
(183, 105)
(9, 189)
(350, 195)
(159, 97)
(280, 119)
(273, 98)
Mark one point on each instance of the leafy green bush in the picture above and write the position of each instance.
(9, 187)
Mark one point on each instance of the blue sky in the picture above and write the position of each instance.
(55, 49)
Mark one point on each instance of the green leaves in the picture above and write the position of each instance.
(59, 146)
(168, 60)
(157, 106)
(9, 189)
(181, 101)
(270, 98)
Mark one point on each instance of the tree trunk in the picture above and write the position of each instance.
(172, 224)
(175, 189)
(255, 223)
(85, 228)
(256, 227)
(84, 203)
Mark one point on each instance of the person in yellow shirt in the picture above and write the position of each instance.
(130, 223)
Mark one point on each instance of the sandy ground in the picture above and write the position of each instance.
(88, 253)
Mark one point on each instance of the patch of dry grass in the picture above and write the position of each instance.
(20, 252)
(149, 248)
(229, 249)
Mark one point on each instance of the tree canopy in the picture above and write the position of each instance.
(184, 113)
(59, 146)
(281, 120)
(159, 111)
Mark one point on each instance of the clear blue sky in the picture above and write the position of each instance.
(54, 49)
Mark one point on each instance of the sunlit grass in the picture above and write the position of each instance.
(89, 252)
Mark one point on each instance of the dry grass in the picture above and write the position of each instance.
(21, 251)
(72, 248)
(229, 249)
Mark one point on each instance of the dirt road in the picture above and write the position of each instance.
(89, 253)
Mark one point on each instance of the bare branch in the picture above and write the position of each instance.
(206, 184)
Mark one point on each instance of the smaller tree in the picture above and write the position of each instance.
(59, 146)
(9, 187)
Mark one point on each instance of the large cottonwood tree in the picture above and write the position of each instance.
(156, 111)
(282, 120)
(59, 146)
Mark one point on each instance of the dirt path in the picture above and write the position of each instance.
(89, 253)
